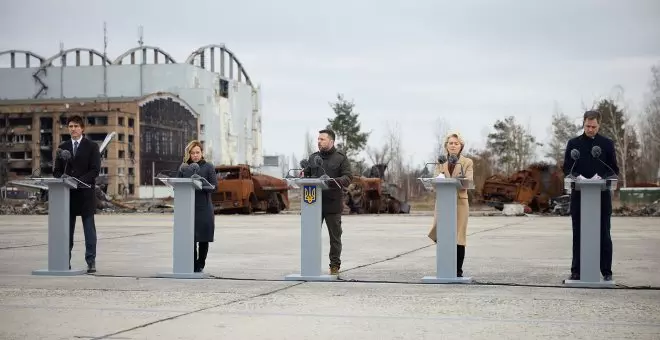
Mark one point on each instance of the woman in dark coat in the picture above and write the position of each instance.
(204, 217)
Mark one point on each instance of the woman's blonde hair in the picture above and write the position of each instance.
(189, 147)
(458, 136)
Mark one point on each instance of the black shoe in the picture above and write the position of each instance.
(607, 277)
(91, 268)
(575, 277)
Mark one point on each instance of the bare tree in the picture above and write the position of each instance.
(389, 153)
(284, 164)
(309, 144)
(615, 122)
(441, 130)
(650, 129)
(294, 162)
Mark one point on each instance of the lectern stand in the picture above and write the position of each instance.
(183, 238)
(446, 220)
(310, 231)
(58, 226)
(590, 200)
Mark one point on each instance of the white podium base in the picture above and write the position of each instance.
(435, 279)
(585, 284)
(299, 277)
(170, 275)
(69, 272)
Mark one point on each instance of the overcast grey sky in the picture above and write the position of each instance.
(468, 62)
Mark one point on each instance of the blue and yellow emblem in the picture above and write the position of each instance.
(309, 194)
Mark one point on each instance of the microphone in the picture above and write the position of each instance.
(575, 155)
(183, 168)
(596, 151)
(304, 165)
(288, 173)
(194, 167)
(442, 159)
(453, 159)
(64, 155)
(318, 164)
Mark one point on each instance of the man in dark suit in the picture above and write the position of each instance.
(85, 165)
(337, 165)
(588, 166)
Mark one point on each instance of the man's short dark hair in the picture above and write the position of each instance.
(591, 114)
(329, 132)
(76, 119)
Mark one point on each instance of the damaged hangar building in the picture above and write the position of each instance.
(148, 104)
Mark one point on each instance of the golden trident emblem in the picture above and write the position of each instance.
(309, 192)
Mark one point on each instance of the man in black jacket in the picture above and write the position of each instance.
(85, 165)
(588, 166)
(338, 167)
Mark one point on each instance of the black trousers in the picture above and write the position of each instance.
(333, 222)
(200, 261)
(460, 256)
(89, 228)
(606, 247)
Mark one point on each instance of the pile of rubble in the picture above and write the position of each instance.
(651, 210)
(22, 207)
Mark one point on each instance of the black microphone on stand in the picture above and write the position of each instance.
(183, 168)
(442, 159)
(64, 155)
(194, 167)
(318, 163)
(595, 153)
(304, 164)
(453, 159)
(575, 155)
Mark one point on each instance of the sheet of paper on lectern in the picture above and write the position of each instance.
(440, 176)
(594, 177)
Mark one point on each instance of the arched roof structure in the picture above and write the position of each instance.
(198, 57)
(156, 50)
(92, 52)
(28, 56)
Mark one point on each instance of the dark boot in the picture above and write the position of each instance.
(201, 260)
(459, 260)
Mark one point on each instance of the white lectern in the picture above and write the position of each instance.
(58, 226)
(590, 200)
(446, 213)
(310, 231)
(183, 238)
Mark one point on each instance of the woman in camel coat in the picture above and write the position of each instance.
(454, 145)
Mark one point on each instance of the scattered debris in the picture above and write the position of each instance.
(650, 210)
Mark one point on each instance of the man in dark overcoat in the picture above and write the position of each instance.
(85, 165)
(588, 166)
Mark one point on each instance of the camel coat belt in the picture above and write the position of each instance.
(462, 202)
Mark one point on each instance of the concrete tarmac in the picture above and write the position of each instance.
(518, 264)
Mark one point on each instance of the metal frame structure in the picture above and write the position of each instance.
(198, 58)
